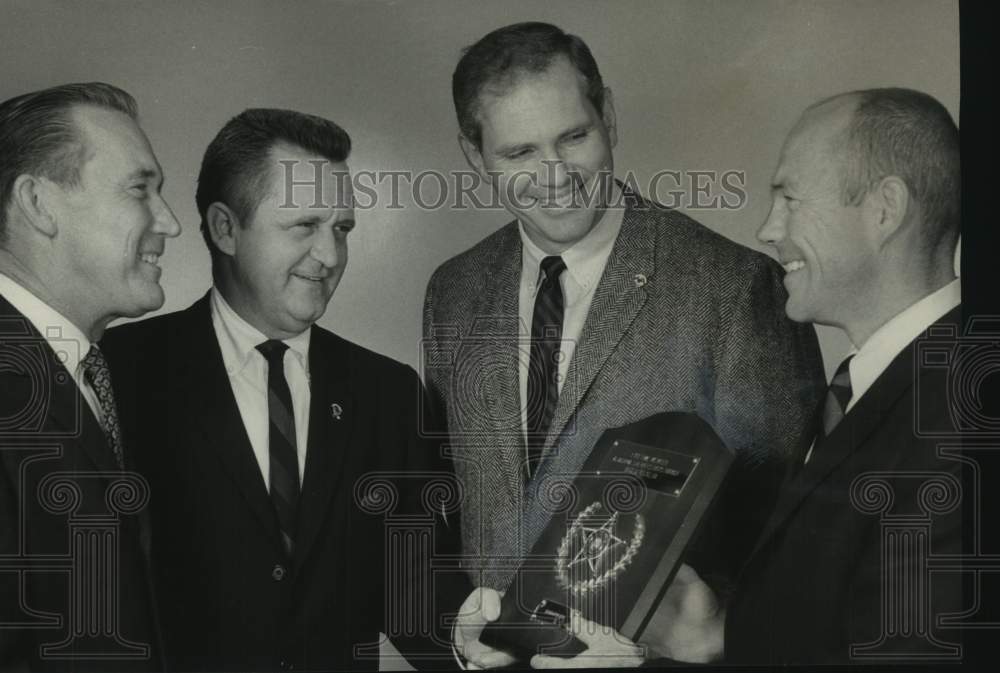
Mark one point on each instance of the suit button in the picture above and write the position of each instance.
(278, 573)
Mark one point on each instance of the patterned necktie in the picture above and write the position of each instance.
(282, 454)
(837, 396)
(95, 369)
(543, 367)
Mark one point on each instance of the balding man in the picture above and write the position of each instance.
(865, 219)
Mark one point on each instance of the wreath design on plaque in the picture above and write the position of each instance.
(592, 554)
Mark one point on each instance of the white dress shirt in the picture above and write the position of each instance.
(247, 370)
(585, 261)
(66, 339)
(889, 340)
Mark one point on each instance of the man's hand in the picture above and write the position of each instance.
(688, 625)
(482, 606)
(606, 648)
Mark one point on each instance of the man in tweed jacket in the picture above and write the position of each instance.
(675, 317)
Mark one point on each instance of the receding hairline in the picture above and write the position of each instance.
(83, 132)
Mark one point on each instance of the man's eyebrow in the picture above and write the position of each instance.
(305, 219)
(510, 149)
(577, 129)
(145, 174)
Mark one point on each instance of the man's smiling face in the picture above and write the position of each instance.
(547, 152)
(827, 249)
(290, 254)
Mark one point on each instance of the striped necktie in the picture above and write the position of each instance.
(282, 454)
(95, 369)
(543, 367)
(838, 395)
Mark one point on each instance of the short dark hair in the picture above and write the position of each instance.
(38, 136)
(235, 168)
(504, 54)
(909, 134)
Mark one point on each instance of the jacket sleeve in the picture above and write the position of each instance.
(430, 490)
(769, 382)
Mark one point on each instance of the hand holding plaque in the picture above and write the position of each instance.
(480, 607)
(613, 548)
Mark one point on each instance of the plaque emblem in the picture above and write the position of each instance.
(597, 549)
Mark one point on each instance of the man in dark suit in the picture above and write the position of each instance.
(594, 309)
(865, 220)
(82, 225)
(272, 446)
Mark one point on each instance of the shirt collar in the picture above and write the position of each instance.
(239, 339)
(890, 339)
(585, 259)
(65, 338)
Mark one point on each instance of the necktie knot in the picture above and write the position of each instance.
(840, 384)
(95, 366)
(837, 397)
(552, 268)
(273, 351)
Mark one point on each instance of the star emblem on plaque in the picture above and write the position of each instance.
(597, 548)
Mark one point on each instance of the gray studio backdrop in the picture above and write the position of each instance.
(698, 85)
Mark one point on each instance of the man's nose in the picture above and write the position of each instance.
(555, 173)
(773, 229)
(166, 223)
(325, 249)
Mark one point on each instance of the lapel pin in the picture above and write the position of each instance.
(336, 411)
(640, 279)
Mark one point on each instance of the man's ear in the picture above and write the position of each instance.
(891, 202)
(472, 155)
(222, 224)
(34, 198)
(608, 115)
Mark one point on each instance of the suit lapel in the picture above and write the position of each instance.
(501, 338)
(37, 374)
(203, 382)
(617, 300)
(850, 435)
(330, 431)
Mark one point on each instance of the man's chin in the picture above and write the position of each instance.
(150, 300)
(565, 230)
(303, 318)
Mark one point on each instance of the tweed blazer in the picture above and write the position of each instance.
(682, 319)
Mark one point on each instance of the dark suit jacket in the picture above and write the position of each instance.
(233, 602)
(815, 584)
(682, 320)
(56, 470)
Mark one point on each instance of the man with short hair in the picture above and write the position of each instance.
(256, 425)
(82, 227)
(651, 312)
(865, 219)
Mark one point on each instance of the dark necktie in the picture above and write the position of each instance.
(837, 396)
(95, 369)
(543, 367)
(282, 455)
